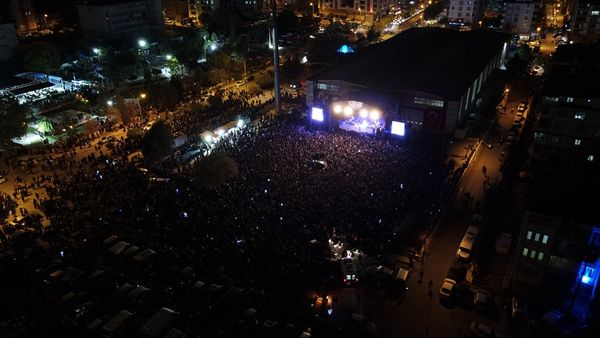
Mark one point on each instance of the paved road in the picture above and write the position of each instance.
(420, 313)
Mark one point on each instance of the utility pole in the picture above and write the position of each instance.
(276, 58)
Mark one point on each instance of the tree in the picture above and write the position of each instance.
(41, 57)
(265, 79)
(125, 110)
(373, 35)
(218, 75)
(215, 169)
(287, 20)
(13, 117)
(157, 142)
(227, 20)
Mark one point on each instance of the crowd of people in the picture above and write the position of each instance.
(295, 185)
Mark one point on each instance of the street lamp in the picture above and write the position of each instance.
(169, 57)
(213, 47)
(142, 96)
(142, 43)
(110, 103)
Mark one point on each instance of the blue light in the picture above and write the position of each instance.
(317, 114)
(345, 49)
(588, 275)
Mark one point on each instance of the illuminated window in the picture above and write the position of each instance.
(577, 142)
(569, 99)
(429, 102)
(321, 86)
(529, 234)
(590, 158)
(540, 256)
(532, 254)
(537, 237)
(525, 251)
(595, 13)
(579, 115)
(545, 239)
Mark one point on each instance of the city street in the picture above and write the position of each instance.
(420, 313)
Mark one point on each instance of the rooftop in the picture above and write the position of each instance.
(437, 61)
(576, 72)
(564, 196)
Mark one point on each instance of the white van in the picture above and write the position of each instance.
(466, 245)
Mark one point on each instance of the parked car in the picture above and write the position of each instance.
(481, 300)
(447, 289)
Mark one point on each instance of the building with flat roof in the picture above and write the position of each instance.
(8, 40)
(567, 134)
(465, 12)
(23, 13)
(586, 20)
(118, 18)
(520, 16)
(363, 10)
(556, 254)
(425, 78)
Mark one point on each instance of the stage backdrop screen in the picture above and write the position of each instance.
(317, 114)
(398, 128)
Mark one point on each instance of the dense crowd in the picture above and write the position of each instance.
(254, 231)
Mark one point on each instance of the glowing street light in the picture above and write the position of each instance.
(142, 43)
(169, 57)
(143, 95)
(110, 103)
(213, 47)
(96, 51)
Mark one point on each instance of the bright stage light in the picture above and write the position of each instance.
(317, 114)
(364, 113)
(375, 115)
(337, 108)
(398, 128)
(348, 111)
(364, 124)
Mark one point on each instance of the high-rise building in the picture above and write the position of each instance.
(23, 14)
(368, 10)
(114, 18)
(586, 20)
(8, 40)
(567, 135)
(177, 9)
(464, 12)
(520, 16)
(556, 252)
